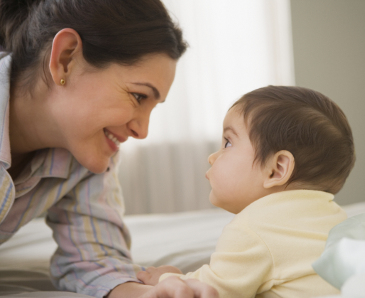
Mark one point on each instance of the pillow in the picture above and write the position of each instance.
(344, 255)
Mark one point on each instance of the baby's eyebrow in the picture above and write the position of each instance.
(229, 128)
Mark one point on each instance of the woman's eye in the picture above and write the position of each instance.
(139, 97)
(227, 144)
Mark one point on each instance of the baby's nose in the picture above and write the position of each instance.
(212, 158)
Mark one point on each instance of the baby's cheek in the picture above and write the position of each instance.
(224, 183)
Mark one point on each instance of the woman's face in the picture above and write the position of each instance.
(97, 110)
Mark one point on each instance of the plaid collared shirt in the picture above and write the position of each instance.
(84, 210)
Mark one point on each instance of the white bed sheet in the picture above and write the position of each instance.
(185, 240)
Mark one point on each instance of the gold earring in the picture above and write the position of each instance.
(63, 82)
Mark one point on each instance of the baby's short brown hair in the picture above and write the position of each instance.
(306, 123)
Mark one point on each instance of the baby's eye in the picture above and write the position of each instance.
(227, 144)
(139, 97)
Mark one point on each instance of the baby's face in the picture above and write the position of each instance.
(235, 180)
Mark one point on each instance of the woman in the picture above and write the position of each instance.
(78, 78)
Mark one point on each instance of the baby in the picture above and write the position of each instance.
(285, 152)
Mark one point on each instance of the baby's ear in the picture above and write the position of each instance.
(279, 169)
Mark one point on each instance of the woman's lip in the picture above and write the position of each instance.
(111, 144)
(119, 138)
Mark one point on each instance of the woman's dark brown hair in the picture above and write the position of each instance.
(120, 31)
(306, 123)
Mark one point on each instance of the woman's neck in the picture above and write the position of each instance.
(29, 121)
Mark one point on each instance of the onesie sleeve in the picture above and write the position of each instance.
(241, 266)
(93, 243)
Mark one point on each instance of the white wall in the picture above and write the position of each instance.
(329, 56)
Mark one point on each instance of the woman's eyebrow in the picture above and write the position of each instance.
(156, 93)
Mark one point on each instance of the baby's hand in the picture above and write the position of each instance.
(152, 274)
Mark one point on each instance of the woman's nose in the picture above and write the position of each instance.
(139, 126)
(212, 158)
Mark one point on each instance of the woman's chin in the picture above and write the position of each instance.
(94, 165)
(98, 170)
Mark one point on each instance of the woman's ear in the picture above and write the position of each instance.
(279, 169)
(66, 46)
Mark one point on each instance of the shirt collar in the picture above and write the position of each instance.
(52, 162)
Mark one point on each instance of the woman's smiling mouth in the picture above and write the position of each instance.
(114, 141)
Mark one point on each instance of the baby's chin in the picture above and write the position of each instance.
(220, 203)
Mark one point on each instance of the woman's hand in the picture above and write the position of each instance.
(174, 287)
(152, 274)
(171, 287)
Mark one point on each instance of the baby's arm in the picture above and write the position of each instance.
(152, 274)
(241, 265)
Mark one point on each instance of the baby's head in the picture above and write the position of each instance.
(280, 138)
